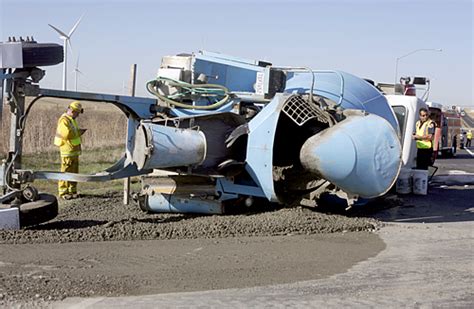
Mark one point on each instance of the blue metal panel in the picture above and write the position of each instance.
(232, 77)
(204, 54)
(357, 93)
(260, 145)
(234, 73)
(226, 186)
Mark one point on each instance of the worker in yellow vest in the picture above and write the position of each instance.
(68, 139)
(425, 129)
(468, 138)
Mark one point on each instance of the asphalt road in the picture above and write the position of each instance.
(428, 261)
(463, 162)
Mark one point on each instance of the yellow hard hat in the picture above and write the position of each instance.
(76, 106)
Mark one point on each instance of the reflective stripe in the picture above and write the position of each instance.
(423, 131)
(76, 141)
(77, 136)
(71, 154)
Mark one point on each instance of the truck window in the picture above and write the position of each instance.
(401, 114)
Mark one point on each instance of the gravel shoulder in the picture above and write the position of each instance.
(427, 263)
(99, 247)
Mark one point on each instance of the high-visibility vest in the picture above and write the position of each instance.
(68, 136)
(469, 135)
(421, 131)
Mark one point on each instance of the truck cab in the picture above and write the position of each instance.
(405, 104)
(406, 110)
(448, 127)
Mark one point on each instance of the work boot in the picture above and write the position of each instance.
(66, 197)
(75, 195)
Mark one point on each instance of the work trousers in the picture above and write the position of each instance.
(70, 165)
(468, 143)
(424, 158)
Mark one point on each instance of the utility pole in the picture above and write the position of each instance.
(132, 84)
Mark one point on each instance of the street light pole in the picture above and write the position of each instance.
(411, 53)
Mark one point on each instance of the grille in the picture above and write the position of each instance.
(300, 111)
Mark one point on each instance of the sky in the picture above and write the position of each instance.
(363, 37)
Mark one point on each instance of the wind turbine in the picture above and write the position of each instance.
(77, 72)
(66, 41)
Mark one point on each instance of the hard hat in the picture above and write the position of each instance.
(76, 106)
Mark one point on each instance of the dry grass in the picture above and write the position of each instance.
(103, 143)
(106, 126)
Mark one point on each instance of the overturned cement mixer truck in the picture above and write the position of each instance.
(227, 130)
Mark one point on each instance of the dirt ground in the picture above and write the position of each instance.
(97, 246)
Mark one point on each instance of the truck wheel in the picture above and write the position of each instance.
(41, 54)
(39, 211)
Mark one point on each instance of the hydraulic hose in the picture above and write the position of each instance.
(203, 90)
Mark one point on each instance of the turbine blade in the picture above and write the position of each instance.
(75, 26)
(59, 31)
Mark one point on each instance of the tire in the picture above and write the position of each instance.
(42, 210)
(41, 54)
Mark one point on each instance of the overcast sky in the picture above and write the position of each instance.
(362, 37)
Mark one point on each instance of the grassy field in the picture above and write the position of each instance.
(103, 143)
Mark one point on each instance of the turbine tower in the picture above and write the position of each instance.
(76, 73)
(66, 41)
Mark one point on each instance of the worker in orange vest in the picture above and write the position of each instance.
(68, 139)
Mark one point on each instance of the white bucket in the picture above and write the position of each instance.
(404, 182)
(420, 182)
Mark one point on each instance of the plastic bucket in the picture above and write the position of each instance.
(420, 182)
(404, 182)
